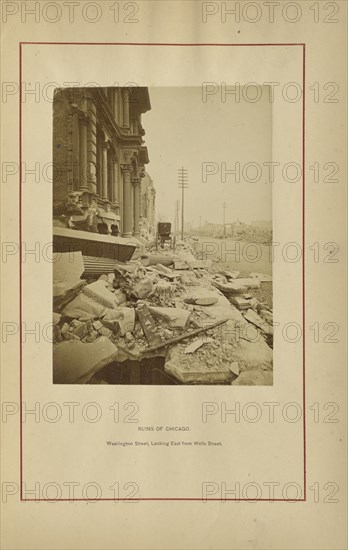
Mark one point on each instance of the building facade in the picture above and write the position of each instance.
(99, 159)
(148, 208)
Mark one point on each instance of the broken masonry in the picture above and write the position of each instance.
(197, 323)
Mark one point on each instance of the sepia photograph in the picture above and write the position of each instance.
(162, 235)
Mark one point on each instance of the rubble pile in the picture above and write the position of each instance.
(239, 292)
(206, 323)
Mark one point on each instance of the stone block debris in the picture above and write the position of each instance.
(240, 302)
(154, 259)
(208, 323)
(99, 292)
(256, 320)
(175, 317)
(186, 335)
(75, 362)
(65, 291)
(234, 287)
(83, 307)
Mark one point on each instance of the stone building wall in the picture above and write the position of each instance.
(99, 158)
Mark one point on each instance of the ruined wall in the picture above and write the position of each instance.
(95, 160)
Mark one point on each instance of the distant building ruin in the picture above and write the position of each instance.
(148, 208)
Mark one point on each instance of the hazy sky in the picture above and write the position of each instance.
(182, 130)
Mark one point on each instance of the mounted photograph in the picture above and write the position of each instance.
(162, 236)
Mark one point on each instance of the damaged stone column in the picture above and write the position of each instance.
(83, 151)
(75, 147)
(116, 105)
(92, 146)
(136, 183)
(106, 147)
(127, 200)
(115, 182)
(126, 108)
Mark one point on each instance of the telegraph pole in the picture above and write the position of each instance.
(182, 184)
(177, 209)
(224, 218)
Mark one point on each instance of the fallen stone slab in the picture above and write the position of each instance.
(240, 302)
(153, 259)
(83, 307)
(193, 376)
(75, 362)
(176, 317)
(65, 291)
(256, 320)
(231, 287)
(99, 292)
(210, 364)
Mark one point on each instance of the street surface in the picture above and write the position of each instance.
(236, 255)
